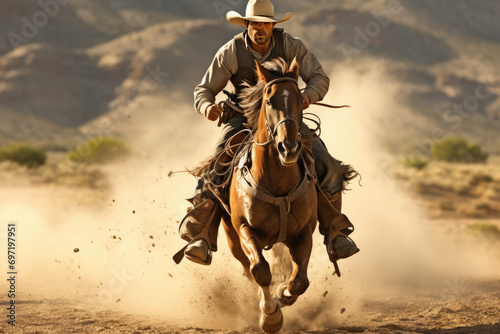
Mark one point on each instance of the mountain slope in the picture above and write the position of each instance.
(97, 56)
(64, 86)
(70, 87)
(26, 21)
(479, 19)
(16, 126)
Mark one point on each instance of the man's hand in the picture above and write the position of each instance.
(306, 102)
(213, 112)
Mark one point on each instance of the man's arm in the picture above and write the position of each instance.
(215, 79)
(310, 70)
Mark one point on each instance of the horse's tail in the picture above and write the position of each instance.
(202, 168)
(348, 174)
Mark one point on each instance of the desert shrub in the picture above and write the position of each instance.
(480, 177)
(446, 204)
(469, 211)
(456, 149)
(496, 187)
(23, 154)
(478, 209)
(461, 188)
(415, 162)
(483, 206)
(99, 150)
(486, 230)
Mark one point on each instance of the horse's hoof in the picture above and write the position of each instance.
(272, 323)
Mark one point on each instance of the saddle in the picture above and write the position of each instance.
(203, 219)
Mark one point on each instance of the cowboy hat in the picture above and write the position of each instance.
(257, 11)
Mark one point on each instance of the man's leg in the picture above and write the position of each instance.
(335, 226)
(207, 209)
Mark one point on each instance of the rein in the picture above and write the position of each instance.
(251, 187)
(331, 106)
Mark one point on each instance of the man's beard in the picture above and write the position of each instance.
(261, 40)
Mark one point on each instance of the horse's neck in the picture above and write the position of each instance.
(269, 173)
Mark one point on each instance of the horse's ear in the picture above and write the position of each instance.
(262, 72)
(293, 71)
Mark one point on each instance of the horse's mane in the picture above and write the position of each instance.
(251, 96)
(251, 100)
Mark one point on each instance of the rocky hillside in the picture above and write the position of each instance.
(72, 86)
(89, 56)
(85, 23)
(478, 19)
(25, 21)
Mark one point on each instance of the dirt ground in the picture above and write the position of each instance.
(452, 306)
(473, 309)
(123, 221)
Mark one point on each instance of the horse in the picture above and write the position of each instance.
(272, 193)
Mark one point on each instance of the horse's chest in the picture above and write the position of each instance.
(262, 215)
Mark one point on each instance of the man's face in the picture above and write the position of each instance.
(260, 32)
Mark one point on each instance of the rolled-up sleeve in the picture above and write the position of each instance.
(215, 79)
(310, 70)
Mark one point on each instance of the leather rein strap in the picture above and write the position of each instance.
(330, 106)
(255, 190)
(282, 79)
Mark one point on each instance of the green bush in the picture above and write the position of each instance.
(23, 154)
(415, 162)
(485, 230)
(99, 150)
(456, 149)
(479, 178)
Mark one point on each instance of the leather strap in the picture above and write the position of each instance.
(203, 235)
(336, 227)
(281, 79)
(179, 255)
(282, 202)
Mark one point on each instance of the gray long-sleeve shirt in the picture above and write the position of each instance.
(225, 64)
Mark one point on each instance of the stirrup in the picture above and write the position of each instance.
(343, 224)
(204, 235)
(195, 259)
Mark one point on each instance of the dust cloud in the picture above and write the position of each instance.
(127, 235)
(401, 250)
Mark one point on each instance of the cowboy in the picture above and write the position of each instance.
(235, 62)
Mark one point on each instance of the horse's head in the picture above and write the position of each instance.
(281, 111)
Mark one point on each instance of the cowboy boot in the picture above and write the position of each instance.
(336, 227)
(200, 228)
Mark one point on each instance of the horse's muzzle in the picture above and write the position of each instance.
(289, 151)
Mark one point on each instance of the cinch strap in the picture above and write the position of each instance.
(282, 202)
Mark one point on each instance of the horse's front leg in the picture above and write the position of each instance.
(271, 318)
(300, 249)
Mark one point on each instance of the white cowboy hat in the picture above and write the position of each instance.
(257, 11)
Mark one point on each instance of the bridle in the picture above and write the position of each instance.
(273, 132)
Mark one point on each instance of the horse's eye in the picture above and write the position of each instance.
(268, 103)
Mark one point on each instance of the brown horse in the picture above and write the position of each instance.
(272, 193)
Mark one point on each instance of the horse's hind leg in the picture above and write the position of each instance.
(300, 250)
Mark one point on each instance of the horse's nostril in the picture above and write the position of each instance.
(281, 147)
(285, 148)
